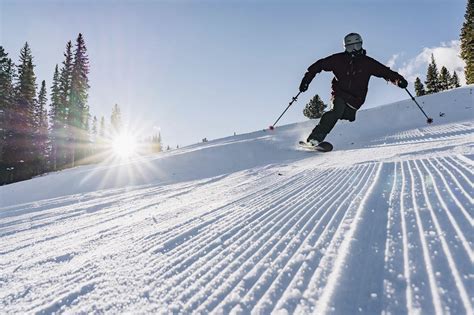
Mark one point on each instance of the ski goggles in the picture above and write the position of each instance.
(353, 47)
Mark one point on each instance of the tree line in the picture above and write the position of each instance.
(436, 81)
(34, 140)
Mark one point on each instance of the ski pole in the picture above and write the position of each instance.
(428, 119)
(292, 101)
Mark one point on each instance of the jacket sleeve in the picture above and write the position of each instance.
(326, 64)
(381, 71)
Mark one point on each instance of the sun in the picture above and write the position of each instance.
(124, 145)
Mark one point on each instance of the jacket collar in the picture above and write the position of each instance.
(356, 54)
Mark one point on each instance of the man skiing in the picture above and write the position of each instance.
(352, 70)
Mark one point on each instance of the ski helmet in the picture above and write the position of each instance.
(353, 42)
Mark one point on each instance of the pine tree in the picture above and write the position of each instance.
(454, 81)
(444, 79)
(21, 153)
(102, 128)
(86, 117)
(6, 87)
(116, 120)
(467, 42)
(65, 84)
(156, 144)
(315, 108)
(7, 74)
(100, 142)
(41, 134)
(6, 80)
(56, 121)
(79, 111)
(432, 77)
(419, 88)
(87, 133)
(63, 136)
(94, 128)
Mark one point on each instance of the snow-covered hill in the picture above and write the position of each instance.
(251, 224)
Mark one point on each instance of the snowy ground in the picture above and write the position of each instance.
(250, 224)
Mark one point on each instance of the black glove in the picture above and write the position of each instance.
(304, 86)
(402, 83)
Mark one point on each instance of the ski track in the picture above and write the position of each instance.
(398, 233)
(426, 134)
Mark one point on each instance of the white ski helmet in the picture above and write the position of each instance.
(352, 42)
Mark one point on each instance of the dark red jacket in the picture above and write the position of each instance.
(351, 75)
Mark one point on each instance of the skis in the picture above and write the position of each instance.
(321, 147)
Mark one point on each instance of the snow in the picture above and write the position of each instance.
(252, 224)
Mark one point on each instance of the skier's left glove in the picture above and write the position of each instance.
(402, 83)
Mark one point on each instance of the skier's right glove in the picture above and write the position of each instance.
(402, 83)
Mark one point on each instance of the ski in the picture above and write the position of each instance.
(321, 147)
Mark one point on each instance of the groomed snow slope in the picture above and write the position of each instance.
(250, 224)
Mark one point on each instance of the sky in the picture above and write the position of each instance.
(206, 69)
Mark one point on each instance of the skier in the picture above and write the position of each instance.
(352, 70)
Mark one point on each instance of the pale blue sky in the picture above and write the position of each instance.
(200, 69)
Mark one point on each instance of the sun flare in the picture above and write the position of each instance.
(124, 145)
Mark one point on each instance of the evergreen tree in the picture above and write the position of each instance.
(41, 134)
(7, 74)
(454, 81)
(100, 142)
(86, 117)
(94, 128)
(6, 80)
(94, 136)
(102, 128)
(63, 136)
(78, 115)
(87, 133)
(444, 79)
(315, 108)
(156, 143)
(65, 84)
(432, 77)
(116, 119)
(20, 153)
(467, 42)
(6, 84)
(55, 118)
(419, 88)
